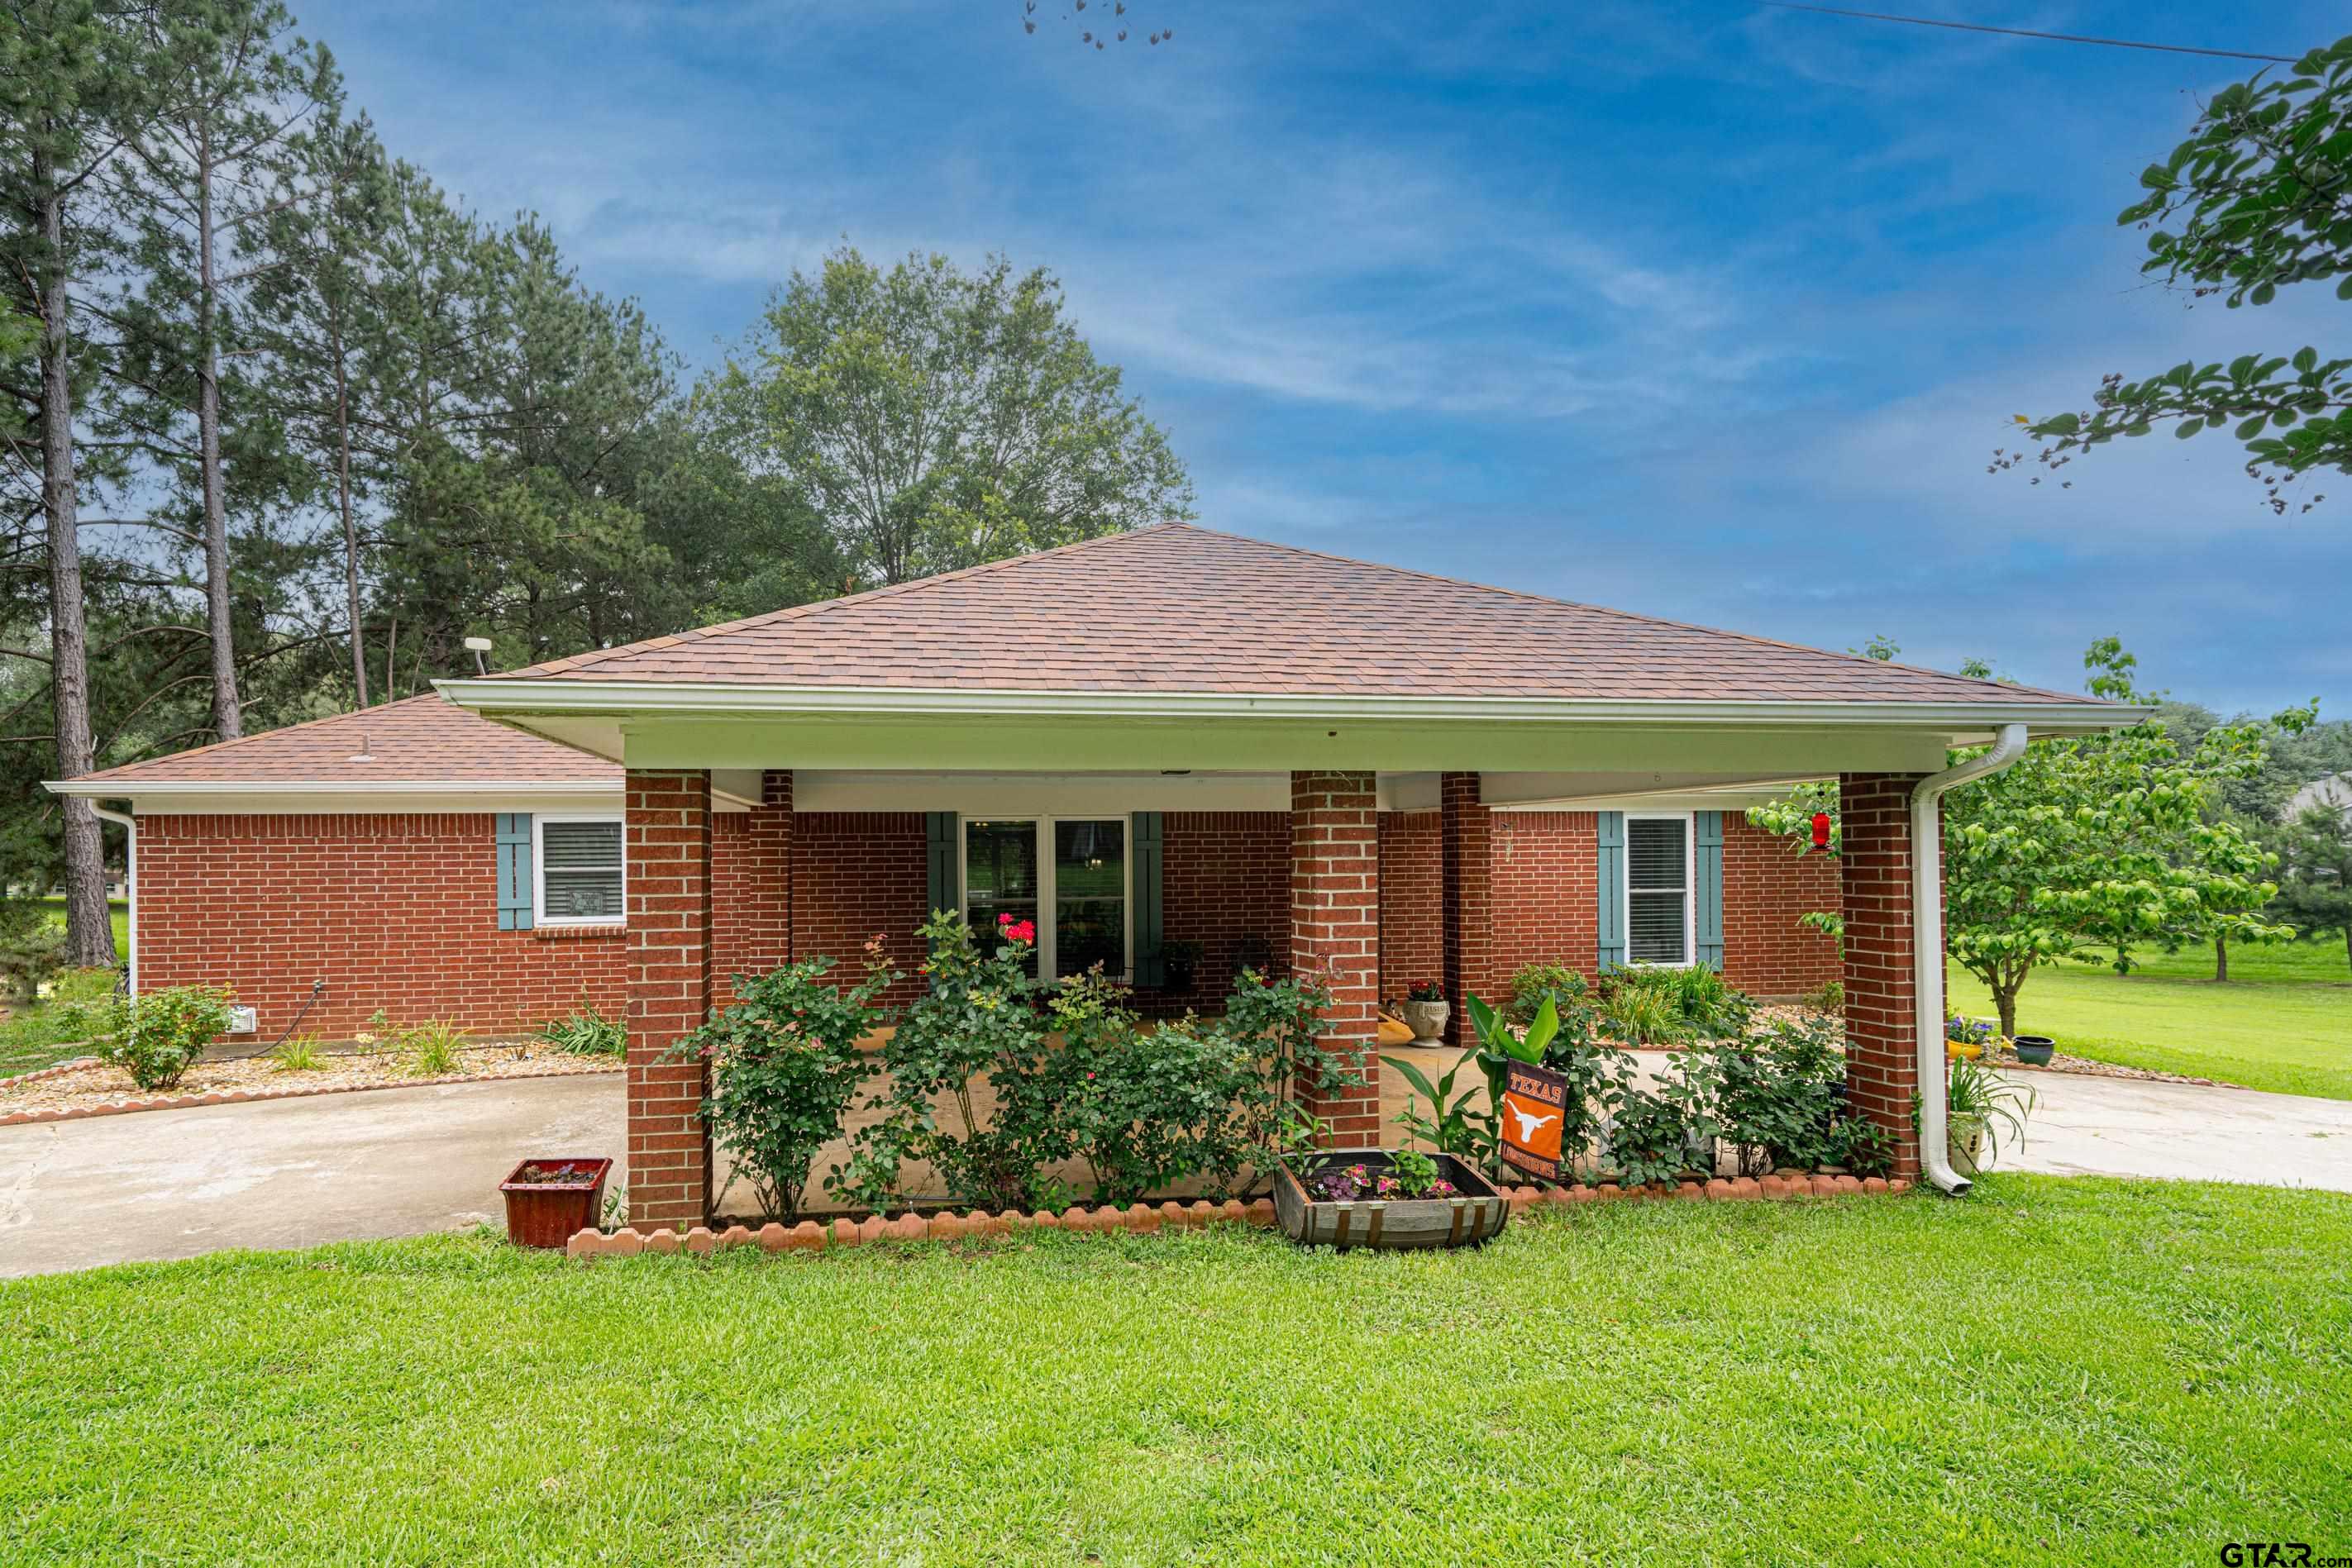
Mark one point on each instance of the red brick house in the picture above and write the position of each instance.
(1178, 751)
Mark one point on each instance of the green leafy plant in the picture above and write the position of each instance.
(1777, 1094)
(1861, 1146)
(1640, 1012)
(978, 1031)
(586, 1032)
(32, 947)
(433, 1049)
(1828, 998)
(1981, 1101)
(158, 1037)
(1449, 1126)
(1649, 1138)
(1275, 1024)
(1145, 1108)
(1533, 984)
(296, 1053)
(785, 1067)
(1416, 1174)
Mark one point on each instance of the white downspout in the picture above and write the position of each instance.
(130, 826)
(1927, 949)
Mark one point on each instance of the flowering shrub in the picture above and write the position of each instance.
(158, 1037)
(979, 1028)
(785, 1068)
(1145, 1109)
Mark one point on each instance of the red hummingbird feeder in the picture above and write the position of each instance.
(1821, 830)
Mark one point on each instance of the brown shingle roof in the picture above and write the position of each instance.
(1180, 609)
(417, 740)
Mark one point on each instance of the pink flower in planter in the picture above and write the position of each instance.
(1022, 931)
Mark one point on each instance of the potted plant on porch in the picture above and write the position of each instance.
(1425, 1011)
(551, 1200)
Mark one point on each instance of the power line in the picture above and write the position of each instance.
(2027, 33)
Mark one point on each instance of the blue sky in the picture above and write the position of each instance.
(1687, 306)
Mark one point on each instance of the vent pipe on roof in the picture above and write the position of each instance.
(1927, 949)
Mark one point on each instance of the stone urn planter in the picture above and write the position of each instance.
(1303, 1205)
(551, 1200)
(1426, 1020)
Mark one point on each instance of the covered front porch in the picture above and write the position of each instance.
(1372, 879)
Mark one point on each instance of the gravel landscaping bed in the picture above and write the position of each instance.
(89, 1086)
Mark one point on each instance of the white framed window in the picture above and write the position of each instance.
(1071, 876)
(1660, 855)
(580, 870)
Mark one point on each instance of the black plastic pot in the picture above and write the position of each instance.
(2033, 1049)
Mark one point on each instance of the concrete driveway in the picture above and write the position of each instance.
(287, 1173)
(2127, 1127)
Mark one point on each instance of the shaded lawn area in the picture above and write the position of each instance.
(118, 908)
(2285, 1026)
(2080, 1370)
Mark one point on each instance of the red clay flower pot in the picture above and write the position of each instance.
(547, 1213)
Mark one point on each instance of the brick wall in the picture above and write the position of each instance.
(858, 875)
(751, 857)
(1412, 941)
(396, 912)
(669, 955)
(1224, 883)
(1882, 1064)
(1545, 891)
(1765, 889)
(1335, 933)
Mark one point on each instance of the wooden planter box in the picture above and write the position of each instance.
(1477, 1214)
(548, 1214)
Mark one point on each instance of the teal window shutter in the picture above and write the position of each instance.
(1611, 877)
(516, 889)
(1143, 895)
(1709, 891)
(940, 829)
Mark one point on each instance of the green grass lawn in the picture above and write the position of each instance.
(121, 913)
(2284, 1021)
(2069, 1370)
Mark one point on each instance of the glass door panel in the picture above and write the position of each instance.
(1090, 896)
(1000, 876)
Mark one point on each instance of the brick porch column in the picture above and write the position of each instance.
(1335, 933)
(1465, 880)
(670, 993)
(1882, 1058)
(768, 919)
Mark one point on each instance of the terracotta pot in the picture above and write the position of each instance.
(1426, 1020)
(548, 1214)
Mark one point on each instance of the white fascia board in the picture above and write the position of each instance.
(689, 698)
(194, 789)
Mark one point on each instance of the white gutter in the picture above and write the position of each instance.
(130, 826)
(639, 699)
(1927, 949)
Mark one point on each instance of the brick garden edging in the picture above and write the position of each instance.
(54, 1070)
(242, 1096)
(1143, 1219)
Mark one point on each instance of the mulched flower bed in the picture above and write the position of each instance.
(93, 1088)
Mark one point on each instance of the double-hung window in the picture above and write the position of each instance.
(1658, 888)
(581, 879)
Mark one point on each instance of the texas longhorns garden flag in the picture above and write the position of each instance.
(1534, 1103)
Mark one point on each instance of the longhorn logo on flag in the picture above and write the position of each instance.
(1533, 1114)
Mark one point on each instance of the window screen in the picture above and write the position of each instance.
(580, 870)
(1657, 889)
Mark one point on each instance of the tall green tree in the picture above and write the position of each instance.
(2257, 199)
(232, 89)
(71, 80)
(2315, 852)
(937, 418)
(318, 312)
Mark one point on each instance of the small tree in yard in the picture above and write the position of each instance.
(2100, 840)
(2316, 854)
(785, 1068)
